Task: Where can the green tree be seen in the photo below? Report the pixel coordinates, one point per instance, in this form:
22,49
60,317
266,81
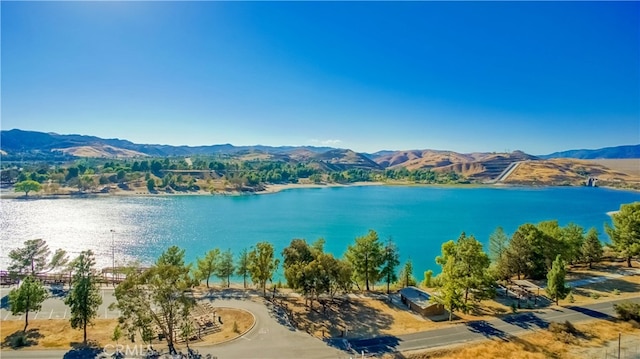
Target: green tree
365,257
451,292
428,275
31,259
225,267
390,261
27,186
625,232
498,244
467,267
84,297
406,274
151,184
262,264
556,288
207,266
592,248
242,269
28,297
157,297
572,240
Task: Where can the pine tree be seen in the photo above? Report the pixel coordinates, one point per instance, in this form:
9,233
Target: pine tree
225,267
625,232
390,260
242,269
498,243
556,288
592,248
365,256
28,297
84,297
207,266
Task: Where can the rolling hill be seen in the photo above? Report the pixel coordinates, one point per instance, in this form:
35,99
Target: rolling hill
618,152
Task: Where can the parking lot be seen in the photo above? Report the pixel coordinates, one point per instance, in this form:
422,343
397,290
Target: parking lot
54,307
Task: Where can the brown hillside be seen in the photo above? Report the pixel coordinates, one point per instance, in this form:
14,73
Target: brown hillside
104,151
565,172
418,159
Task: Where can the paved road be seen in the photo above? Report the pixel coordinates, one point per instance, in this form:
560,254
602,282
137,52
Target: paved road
495,329
274,337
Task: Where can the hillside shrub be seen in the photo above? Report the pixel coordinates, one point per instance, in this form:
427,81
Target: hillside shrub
628,311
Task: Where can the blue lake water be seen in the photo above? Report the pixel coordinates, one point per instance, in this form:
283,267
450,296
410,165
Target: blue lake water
419,219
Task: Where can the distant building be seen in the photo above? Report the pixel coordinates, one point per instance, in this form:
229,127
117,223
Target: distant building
418,301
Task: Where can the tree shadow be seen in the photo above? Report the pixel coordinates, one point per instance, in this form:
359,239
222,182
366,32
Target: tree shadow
84,351
342,317
20,339
374,346
592,313
527,321
485,328
4,302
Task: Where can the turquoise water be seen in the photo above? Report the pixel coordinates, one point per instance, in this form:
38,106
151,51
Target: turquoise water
419,219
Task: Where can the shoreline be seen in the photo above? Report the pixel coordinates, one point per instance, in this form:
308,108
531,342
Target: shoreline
270,189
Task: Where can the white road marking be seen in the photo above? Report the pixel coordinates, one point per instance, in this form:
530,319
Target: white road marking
50,314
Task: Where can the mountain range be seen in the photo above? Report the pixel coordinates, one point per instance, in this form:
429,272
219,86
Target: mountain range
25,145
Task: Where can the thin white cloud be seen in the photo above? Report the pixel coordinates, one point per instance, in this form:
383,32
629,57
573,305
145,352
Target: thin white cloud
326,142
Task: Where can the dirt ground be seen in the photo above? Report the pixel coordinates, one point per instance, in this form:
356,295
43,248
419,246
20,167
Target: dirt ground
58,334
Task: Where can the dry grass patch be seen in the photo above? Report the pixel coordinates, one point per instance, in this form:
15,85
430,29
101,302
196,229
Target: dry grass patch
539,345
58,334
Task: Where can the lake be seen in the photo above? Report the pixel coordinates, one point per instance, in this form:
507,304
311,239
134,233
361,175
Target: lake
419,219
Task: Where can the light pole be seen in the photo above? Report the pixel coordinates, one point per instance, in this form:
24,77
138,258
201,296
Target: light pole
113,257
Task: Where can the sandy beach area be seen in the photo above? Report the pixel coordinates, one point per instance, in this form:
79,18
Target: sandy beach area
8,193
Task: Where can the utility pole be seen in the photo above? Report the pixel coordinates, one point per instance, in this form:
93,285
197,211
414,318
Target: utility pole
113,257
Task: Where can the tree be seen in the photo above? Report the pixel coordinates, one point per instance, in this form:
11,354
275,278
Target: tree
151,184
625,232
466,265
206,267
242,268
28,297
390,260
27,186
366,257
556,288
31,259
428,274
450,293
157,297
262,264
84,297
498,244
592,248
406,274
572,239
225,267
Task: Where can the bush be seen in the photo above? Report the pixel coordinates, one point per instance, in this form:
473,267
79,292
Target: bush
570,298
565,332
514,308
616,291
594,295
19,341
628,311
235,327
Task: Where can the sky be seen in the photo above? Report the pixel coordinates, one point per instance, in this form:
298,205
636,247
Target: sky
463,76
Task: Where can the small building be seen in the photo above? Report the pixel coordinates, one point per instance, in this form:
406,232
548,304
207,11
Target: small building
419,301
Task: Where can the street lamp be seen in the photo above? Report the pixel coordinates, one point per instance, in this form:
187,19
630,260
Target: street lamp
113,257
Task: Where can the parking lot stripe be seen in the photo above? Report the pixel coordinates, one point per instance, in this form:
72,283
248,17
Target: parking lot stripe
50,314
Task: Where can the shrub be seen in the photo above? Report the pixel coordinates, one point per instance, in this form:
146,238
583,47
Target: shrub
514,308
19,341
570,298
235,327
594,295
628,311
616,291
565,332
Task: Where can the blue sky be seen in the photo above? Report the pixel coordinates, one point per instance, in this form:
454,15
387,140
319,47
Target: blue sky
462,76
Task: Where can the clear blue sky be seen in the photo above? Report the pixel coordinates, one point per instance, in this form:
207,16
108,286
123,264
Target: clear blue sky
481,76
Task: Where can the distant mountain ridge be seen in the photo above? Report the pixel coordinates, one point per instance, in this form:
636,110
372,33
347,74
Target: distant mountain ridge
618,152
